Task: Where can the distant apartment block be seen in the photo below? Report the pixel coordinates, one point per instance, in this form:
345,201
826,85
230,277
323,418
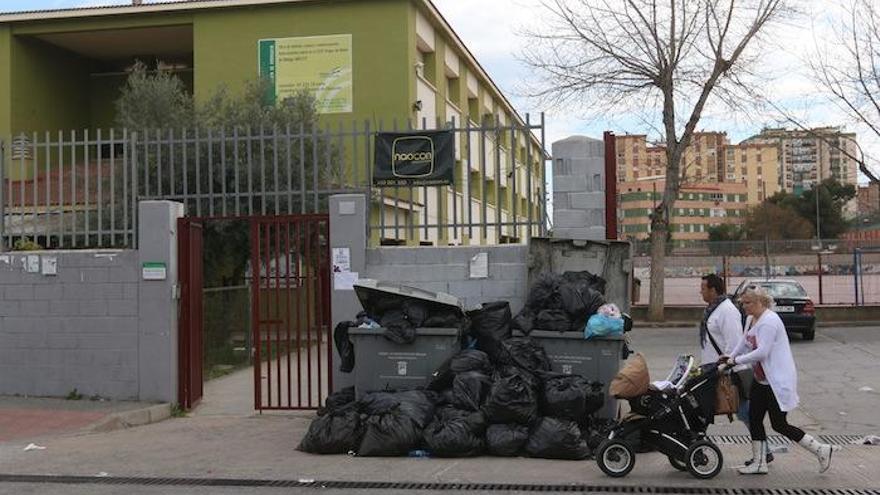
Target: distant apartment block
810,156
699,207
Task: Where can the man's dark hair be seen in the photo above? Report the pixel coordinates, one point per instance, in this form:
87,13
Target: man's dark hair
713,281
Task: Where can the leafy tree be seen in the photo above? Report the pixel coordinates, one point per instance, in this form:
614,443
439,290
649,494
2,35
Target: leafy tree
665,60
773,221
725,232
833,197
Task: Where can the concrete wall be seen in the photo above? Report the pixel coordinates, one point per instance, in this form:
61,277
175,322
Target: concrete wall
77,329
579,188
446,269
95,326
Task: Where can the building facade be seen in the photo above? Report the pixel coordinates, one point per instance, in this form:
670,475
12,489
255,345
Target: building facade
712,170
398,61
810,156
698,208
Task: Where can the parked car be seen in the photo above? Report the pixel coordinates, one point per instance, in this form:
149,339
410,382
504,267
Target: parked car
790,301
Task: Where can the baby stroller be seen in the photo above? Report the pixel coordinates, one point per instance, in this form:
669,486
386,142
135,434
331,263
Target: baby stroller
671,420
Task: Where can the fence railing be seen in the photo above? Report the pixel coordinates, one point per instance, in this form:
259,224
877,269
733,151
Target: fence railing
829,277
77,189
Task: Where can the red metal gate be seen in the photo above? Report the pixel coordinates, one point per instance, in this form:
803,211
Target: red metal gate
189,255
290,277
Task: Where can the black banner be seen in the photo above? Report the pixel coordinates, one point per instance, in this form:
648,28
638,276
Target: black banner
417,158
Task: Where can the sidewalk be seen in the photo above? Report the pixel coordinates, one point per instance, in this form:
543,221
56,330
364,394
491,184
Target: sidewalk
34,418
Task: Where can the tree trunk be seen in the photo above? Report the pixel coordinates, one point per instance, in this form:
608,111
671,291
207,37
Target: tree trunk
658,264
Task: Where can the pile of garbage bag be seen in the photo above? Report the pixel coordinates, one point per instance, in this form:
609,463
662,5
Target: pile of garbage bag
497,398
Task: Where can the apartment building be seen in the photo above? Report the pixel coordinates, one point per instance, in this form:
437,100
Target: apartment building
699,207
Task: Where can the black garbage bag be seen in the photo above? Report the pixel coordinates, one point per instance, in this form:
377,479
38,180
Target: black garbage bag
598,431
595,397
475,420
337,400
416,312
553,320
471,360
565,397
553,438
444,319
580,303
585,278
524,353
453,438
524,321
491,325
336,432
344,345
417,405
390,434
397,327
441,378
544,293
513,397
469,390
506,440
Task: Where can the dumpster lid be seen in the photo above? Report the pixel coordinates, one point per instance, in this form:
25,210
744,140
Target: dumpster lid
370,292
420,332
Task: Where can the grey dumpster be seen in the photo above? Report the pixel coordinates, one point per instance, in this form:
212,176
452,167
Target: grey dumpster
594,359
381,364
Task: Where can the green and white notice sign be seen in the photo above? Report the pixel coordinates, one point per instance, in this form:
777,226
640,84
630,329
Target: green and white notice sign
154,270
321,65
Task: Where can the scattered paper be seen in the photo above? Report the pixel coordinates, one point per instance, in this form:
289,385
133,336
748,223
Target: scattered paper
866,389
33,446
843,413
306,480
102,474
868,440
345,280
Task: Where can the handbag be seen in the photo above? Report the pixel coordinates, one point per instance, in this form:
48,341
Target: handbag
727,393
726,397
742,379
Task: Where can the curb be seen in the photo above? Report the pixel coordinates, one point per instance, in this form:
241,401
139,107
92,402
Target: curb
129,419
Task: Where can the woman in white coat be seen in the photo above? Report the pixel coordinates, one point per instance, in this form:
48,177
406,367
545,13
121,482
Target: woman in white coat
765,347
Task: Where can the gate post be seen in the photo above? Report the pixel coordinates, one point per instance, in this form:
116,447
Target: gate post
2,197
157,300
348,220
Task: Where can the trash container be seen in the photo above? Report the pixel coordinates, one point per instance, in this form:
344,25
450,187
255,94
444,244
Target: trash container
381,364
595,359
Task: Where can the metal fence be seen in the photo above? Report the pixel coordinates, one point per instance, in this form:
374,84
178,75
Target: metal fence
76,189
831,276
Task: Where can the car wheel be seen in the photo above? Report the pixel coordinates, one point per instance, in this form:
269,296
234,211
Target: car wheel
809,334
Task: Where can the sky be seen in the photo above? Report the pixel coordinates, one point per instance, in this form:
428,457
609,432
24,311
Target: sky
492,33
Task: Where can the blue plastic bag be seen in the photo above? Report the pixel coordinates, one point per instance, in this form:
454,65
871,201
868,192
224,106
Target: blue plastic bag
600,325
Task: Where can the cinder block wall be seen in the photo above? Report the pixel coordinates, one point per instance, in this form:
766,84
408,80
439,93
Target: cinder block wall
579,188
446,269
76,329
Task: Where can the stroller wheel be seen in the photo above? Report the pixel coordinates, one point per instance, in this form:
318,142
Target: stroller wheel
615,458
676,463
704,460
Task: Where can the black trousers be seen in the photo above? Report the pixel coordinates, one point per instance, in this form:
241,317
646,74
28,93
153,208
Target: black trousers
763,402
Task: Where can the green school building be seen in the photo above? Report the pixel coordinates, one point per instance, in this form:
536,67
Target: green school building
366,61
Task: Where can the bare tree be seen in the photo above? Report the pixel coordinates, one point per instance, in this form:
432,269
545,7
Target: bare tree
666,58
847,67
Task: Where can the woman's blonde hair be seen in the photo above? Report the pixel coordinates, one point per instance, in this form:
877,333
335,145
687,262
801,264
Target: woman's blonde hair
760,295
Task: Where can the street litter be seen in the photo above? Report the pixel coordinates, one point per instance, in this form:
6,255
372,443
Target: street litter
866,389
868,440
33,446
496,391
102,474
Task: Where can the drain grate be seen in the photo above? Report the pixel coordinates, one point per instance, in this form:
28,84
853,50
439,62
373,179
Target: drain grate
781,440
382,485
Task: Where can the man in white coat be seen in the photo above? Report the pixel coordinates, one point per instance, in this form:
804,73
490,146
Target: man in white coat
721,328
